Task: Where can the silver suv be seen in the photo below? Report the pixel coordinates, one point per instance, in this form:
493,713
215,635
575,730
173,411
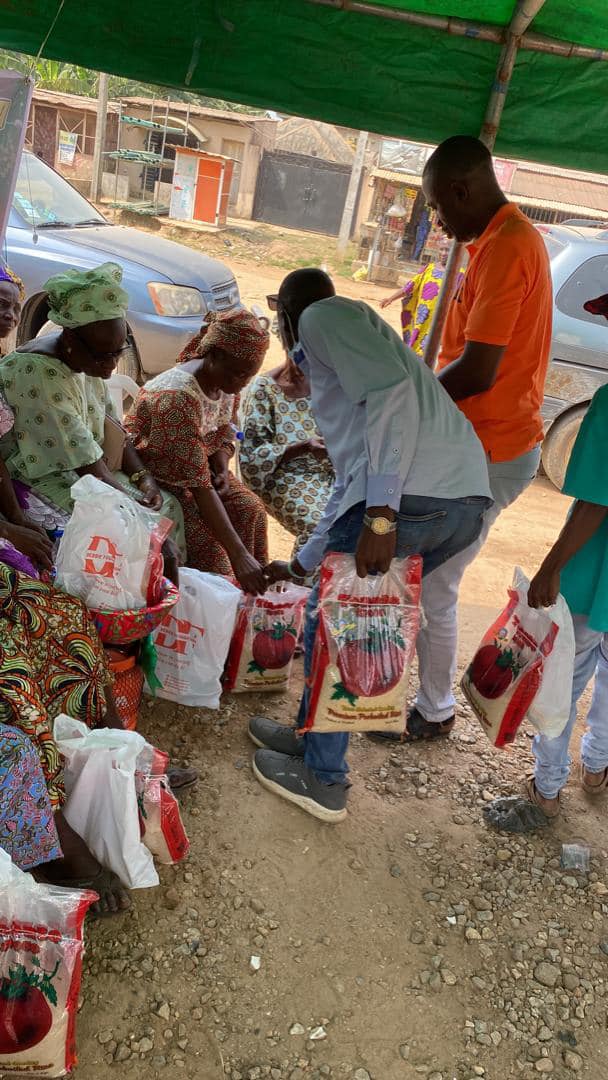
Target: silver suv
579,349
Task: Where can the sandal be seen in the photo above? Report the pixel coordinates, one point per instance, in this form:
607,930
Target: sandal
417,729
594,789
181,779
535,798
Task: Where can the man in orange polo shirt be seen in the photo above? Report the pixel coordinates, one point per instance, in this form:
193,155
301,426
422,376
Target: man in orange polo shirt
493,363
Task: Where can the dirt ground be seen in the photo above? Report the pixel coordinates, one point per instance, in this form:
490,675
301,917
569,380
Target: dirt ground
408,941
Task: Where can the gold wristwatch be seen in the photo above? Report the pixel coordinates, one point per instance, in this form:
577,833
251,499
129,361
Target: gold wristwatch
381,526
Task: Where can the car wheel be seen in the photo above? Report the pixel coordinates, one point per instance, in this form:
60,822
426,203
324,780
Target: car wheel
129,362
558,444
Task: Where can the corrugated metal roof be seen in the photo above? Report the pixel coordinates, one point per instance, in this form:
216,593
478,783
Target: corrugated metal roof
71,101
397,177
179,107
562,189
553,204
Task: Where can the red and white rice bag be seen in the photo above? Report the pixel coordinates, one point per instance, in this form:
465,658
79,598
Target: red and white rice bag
506,673
110,552
265,638
161,824
41,951
364,646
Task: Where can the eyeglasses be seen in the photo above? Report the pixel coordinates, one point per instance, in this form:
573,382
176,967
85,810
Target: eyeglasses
273,301
101,357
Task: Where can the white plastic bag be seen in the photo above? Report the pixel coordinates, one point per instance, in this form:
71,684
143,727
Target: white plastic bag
193,639
40,966
102,805
110,552
504,679
550,710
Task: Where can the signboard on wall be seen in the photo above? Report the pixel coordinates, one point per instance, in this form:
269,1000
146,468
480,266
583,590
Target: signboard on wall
505,171
66,150
15,97
403,156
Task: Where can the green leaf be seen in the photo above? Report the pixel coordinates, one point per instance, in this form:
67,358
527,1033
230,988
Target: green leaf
254,668
342,694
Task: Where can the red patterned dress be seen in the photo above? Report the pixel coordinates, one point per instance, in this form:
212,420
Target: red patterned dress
176,428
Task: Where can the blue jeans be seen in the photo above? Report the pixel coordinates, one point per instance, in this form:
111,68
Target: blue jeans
552,755
437,529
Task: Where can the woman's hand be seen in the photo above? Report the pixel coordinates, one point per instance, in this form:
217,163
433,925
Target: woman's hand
249,574
221,484
544,588
151,494
387,300
171,561
316,447
32,542
283,571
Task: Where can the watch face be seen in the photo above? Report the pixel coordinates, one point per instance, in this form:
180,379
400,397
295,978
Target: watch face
380,526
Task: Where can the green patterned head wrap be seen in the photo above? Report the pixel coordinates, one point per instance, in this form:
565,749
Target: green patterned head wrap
80,297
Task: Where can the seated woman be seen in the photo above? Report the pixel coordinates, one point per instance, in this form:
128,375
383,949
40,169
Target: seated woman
282,457
56,389
51,661
23,517
182,426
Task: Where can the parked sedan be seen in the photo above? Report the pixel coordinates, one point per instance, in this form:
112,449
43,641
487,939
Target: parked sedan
172,287
579,349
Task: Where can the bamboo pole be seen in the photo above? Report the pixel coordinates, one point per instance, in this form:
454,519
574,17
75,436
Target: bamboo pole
466,28
525,11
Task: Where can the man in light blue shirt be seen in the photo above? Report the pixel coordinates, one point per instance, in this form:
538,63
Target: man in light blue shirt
411,477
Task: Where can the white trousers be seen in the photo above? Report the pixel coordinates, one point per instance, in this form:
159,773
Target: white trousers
437,644
552,755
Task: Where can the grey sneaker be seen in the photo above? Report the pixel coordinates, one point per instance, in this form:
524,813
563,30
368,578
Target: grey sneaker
290,778
272,736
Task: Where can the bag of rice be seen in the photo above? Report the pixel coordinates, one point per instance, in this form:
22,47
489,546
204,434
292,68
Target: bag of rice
41,951
506,672
364,646
265,638
161,825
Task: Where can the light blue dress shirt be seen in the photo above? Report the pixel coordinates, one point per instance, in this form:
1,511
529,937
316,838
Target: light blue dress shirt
389,426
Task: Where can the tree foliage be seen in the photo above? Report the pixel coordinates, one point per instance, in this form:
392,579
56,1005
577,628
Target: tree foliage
71,79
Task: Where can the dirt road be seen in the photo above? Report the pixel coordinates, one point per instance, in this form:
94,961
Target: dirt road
408,942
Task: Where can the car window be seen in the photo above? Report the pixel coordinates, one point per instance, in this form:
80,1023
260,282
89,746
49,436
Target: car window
587,282
43,198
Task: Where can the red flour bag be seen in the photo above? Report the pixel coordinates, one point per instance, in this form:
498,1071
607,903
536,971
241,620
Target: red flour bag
265,638
40,967
364,646
161,825
506,672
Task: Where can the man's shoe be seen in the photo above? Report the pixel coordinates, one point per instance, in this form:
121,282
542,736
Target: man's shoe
291,779
417,730
269,735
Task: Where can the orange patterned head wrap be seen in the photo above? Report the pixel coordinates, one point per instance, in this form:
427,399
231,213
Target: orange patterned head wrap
240,334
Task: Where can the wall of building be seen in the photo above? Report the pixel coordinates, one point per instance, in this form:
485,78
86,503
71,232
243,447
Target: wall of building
218,136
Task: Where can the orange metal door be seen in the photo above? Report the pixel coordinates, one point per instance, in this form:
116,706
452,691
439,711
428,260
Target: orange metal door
207,190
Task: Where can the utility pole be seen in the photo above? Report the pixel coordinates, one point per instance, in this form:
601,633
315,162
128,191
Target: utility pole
351,195
100,137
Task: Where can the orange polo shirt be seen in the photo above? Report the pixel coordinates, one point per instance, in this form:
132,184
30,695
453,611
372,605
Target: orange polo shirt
505,299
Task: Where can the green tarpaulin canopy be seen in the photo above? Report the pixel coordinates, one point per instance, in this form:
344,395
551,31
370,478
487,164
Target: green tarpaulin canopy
347,67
